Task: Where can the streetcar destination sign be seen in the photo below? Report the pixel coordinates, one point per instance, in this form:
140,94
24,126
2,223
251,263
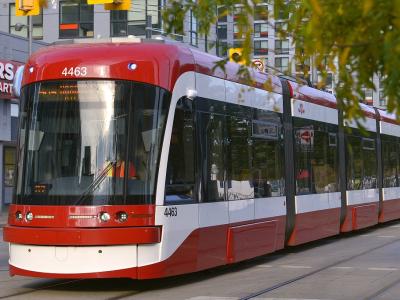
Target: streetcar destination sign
7,73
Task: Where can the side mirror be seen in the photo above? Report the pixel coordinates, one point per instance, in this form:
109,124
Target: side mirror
18,81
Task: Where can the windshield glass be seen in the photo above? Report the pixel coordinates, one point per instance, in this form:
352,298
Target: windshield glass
90,142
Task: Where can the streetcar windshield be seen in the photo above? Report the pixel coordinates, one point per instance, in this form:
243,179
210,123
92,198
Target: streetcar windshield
90,142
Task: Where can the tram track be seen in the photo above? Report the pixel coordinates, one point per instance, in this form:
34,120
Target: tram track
382,290
321,269
41,288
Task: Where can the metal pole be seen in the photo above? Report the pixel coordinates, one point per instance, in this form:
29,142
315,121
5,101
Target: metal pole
30,29
148,27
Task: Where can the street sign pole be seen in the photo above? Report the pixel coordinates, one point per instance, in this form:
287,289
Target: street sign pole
30,27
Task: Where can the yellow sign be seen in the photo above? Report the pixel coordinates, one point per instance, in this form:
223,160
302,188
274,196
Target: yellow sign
113,4
27,8
235,55
92,2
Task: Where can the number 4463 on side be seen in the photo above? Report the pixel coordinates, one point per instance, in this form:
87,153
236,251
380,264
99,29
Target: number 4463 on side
171,211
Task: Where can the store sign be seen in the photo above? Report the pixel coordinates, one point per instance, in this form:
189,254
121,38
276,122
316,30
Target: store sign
7,73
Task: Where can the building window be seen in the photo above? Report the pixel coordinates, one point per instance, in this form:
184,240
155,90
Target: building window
236,32
282,63
280,27
37,24
382,98
76,20
193,30
124,23
261,47
222,32
304,67
282,15
222,14
367,97
238,44
222,48
260,30
9,166
281,47
14,121
261,12
238,10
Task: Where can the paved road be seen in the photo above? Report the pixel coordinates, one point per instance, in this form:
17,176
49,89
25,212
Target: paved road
354,266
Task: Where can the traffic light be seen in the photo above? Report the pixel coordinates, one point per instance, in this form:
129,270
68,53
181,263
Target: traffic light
27,8
118,5
236,55
113,4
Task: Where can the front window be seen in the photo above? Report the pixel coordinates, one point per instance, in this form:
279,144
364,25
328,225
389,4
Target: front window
90,142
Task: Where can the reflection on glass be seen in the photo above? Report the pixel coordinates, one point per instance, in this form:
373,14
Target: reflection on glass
75,148
316,154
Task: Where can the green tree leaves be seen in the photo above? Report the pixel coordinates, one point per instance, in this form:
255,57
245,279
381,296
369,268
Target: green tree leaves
356,39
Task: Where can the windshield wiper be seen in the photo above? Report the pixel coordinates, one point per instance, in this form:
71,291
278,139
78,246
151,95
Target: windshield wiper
97,181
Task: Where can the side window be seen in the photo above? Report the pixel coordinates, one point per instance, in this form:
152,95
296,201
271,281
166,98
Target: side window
239,177
354,163
389,159
315,157
361,161
212,155
180,180
370,166
268,155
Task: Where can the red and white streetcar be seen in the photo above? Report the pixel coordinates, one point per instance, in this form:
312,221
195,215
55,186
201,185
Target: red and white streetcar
142,160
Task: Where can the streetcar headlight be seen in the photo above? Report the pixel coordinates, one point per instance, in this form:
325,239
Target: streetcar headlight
18,215
104,216
29,216
122,216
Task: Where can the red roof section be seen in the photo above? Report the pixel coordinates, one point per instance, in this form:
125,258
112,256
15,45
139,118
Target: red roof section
156,63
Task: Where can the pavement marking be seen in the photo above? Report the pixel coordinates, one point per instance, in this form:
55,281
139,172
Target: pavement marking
295,267
395,226
343,268
365,235
264,266
386,236
383,269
